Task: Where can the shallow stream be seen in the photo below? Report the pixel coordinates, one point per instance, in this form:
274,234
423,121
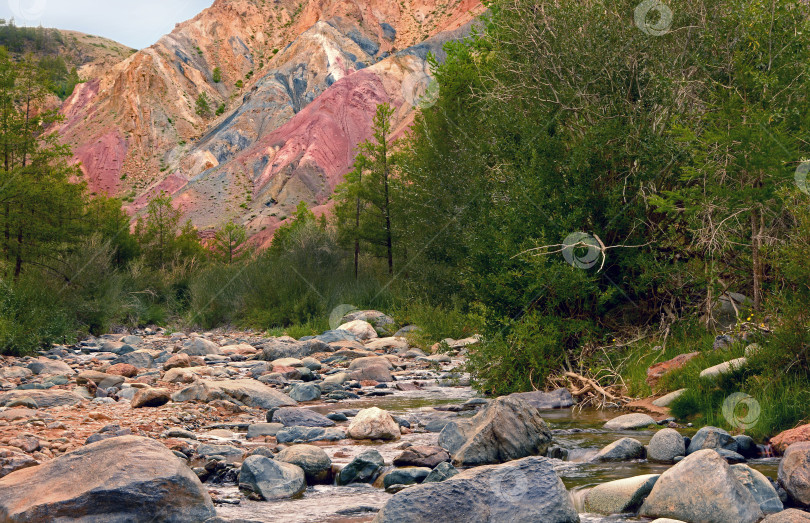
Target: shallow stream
578,431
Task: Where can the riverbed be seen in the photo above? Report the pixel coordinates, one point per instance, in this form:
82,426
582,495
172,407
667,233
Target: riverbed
578,431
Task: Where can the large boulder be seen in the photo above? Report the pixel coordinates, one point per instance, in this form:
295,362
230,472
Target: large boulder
506,429
790,515
141,359
442,472
702,488
665,446
624,449
315,463
760,487
296,417
711,438
522,490
382,323
305,392
657,371
150,397
783,440
43,366
361,329
557,399
44,399
362,469
421,456
620,496
407,476
246,391
630,422
794,473
128,478
373,423
201,347
290,348
374,368
267,479
309,434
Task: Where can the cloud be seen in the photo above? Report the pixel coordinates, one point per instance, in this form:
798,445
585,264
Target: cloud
137,24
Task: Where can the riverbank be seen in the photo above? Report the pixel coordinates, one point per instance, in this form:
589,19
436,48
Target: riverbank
316,409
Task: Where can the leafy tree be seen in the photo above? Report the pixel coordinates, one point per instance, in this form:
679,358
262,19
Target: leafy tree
161,237
217,75
365,201
203,105
40,207
229,241
105,216
301,219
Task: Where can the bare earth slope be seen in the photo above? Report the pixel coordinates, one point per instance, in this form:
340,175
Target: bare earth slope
299,84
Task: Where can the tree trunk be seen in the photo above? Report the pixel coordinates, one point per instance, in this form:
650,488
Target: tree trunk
19,263
357,228
756,254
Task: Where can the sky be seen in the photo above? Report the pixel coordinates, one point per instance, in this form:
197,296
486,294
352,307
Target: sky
136,23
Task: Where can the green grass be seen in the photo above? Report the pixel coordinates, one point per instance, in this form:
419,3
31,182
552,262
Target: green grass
632,362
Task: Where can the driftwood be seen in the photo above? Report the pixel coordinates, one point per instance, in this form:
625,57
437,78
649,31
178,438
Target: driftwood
589,392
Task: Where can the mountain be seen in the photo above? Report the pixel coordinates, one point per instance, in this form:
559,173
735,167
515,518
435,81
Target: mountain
292,87
66,56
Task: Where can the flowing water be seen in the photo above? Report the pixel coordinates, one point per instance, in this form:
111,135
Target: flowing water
580,432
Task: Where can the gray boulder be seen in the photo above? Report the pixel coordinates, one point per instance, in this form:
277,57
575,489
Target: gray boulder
630,422
260,430
711,438
759,487
140,358
315,463
794,473
309,434
522,490
621,496
244,391
42,399
305,392
443,471
665,446
505,429
363,469
624,449
557,399
201,347
296,417
407,476
703,488
128,478
267,479
43,366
